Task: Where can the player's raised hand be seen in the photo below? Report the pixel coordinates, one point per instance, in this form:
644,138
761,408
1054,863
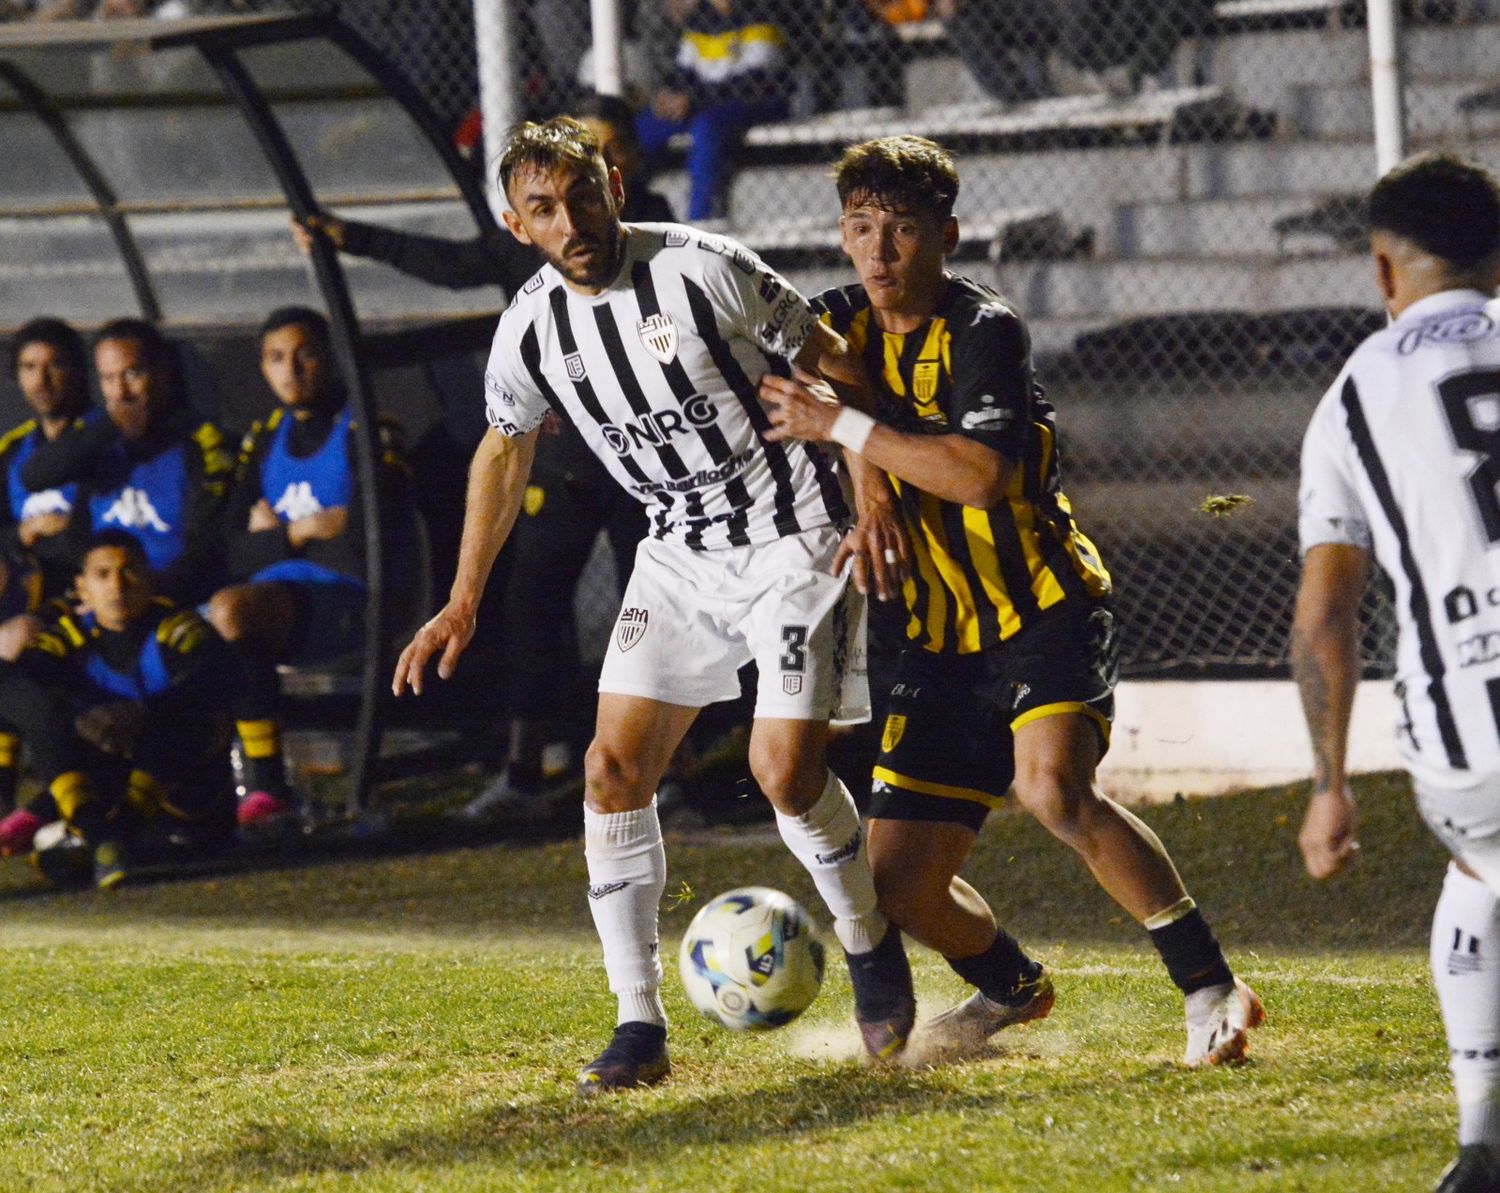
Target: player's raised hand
878,552
801,406
450,631
1327,840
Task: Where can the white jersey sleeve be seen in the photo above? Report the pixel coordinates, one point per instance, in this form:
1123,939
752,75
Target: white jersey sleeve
754,301
1329,509
513,402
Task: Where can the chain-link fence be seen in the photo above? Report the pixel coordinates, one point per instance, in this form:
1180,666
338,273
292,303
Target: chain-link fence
1168,190
1170,193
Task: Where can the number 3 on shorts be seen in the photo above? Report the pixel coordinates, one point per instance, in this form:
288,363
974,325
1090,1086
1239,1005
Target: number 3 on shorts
794,657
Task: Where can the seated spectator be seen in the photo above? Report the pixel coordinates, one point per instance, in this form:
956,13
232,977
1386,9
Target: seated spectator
36,558
847,55
51,371
147,465
1003,43
731,74
123,706
295,546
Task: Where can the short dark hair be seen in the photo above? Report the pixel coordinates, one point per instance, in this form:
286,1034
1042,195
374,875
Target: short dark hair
899,173
612,109
153,344
542,148
54,333
112,537
315,323
1444,205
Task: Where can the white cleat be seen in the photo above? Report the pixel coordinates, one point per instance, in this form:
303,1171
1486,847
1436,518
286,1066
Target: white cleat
1220,1020
964,1028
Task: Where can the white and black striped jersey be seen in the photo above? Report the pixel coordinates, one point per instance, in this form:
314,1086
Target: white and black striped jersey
1402,458
659,373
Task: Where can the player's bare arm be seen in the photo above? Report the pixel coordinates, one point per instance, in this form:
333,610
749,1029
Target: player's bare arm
1326,667
876,547
497,486
951,467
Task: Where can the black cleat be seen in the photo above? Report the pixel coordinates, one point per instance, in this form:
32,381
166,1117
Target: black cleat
885,1006
636,1056
1477,1170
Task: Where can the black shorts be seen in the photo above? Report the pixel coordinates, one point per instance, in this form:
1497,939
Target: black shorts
947,750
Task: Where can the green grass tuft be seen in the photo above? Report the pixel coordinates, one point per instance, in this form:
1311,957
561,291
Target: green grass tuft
416,1023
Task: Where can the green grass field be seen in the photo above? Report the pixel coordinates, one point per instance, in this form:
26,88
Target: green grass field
416,1023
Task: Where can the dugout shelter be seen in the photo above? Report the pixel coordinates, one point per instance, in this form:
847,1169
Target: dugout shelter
150,169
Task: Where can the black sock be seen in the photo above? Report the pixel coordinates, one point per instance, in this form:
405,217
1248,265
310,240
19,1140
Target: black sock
10,757
881,978
1000,972
1191,954
265,774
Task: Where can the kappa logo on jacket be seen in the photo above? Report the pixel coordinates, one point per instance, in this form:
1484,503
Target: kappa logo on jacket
133,509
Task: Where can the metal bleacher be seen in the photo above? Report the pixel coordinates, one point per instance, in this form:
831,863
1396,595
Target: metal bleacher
1280,127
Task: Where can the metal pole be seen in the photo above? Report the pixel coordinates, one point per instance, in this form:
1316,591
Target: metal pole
498,86
609,47
1386,94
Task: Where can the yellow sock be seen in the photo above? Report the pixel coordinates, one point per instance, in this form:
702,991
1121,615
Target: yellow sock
260,739
70,791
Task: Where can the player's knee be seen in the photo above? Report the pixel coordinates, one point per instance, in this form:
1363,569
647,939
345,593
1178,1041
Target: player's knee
615,781
786,777
228,613
1059,798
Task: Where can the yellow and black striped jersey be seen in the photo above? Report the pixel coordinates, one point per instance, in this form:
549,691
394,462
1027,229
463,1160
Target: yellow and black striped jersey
979,574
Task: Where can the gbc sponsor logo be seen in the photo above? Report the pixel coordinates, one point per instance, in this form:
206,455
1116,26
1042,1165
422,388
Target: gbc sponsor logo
656,428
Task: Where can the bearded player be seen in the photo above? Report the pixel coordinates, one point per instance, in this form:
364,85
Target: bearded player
650,339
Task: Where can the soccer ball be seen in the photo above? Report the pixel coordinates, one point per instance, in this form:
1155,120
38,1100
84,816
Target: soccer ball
750,960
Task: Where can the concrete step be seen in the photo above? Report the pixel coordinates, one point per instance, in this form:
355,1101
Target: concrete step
1200,227
1086,186
1432,110
1263,68
1127,289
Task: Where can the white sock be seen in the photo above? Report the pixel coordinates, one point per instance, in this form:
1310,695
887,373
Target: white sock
627,874
1466,971
829,841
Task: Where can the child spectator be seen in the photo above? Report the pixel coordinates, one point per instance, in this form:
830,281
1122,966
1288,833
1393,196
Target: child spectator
123,707
148,465
731,74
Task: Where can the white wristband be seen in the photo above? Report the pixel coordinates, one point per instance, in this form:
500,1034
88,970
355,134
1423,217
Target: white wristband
851,429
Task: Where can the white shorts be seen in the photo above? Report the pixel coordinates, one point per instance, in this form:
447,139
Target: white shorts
1467,821
691,619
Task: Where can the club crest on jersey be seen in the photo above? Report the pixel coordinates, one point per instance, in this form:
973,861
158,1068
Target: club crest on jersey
924,381
574,364
895,727
791,684
632,627
659,334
